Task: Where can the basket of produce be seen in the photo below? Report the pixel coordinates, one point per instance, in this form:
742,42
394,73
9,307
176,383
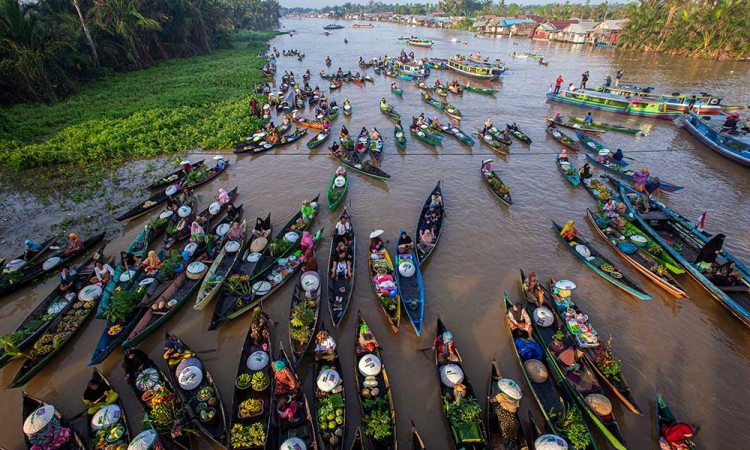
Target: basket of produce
243,381
260,381
250,408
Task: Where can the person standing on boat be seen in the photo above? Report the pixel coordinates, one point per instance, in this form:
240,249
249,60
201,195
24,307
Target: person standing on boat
558,83
584,79
588,120
652,187
618,77
608,81
640,178
506,404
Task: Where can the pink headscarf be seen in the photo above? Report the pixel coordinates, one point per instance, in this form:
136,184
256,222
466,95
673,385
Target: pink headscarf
195,229
223,196
306,242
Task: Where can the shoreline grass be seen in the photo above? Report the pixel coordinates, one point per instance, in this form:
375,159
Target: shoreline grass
179,104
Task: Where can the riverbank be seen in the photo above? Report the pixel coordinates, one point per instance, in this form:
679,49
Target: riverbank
203,101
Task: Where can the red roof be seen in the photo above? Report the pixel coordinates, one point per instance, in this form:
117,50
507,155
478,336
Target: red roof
560,24
535,18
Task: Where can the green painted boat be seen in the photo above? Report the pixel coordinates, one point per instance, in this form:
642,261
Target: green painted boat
318,139
347,108
568,170
388,110
495,184
517,133
607,126
479,90
595,261
665,417
365,168
492,142
398,134
452,111
432,101
397,91
424,136
337,192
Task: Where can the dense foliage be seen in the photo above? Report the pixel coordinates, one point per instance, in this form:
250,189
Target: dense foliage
702,28
47,47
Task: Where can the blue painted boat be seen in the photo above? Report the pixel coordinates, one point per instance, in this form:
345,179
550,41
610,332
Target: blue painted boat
684,245
595,146
627,174
411,288
709,133
597,262
568,170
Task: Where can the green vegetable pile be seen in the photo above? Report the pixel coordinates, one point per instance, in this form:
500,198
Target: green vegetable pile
247,436
466,411
303,316
570,423
122,306
607,362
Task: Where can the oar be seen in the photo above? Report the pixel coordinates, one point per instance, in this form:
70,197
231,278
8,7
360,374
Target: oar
77,416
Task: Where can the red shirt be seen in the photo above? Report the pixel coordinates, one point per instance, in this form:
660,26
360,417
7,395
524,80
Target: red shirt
559,81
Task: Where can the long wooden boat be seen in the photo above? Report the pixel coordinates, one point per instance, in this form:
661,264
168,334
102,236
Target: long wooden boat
391,306
568,170
336,193
597,147
31,404
640,259
306,296
518,134
375,146
635,106
703,103
495,437
303,429
40,318
595,261
347,108
33,272
214,428
595,351
340,290
501,136
423,136
329,399
265,146
710,134
319,139
496,185
176,433
179,292
470,69
452,112
258,139
420,42
423,256
606,126
367,356
411,288
264,289
363,144
469,434
563,139
160,197
390,112
173,177
552,398
58,334
580,383
575,126
479,90
400,137
182,229
456,132
432,101
20,264
96,431
357,443
252,408
665,417
627,174
684,244
495,145
397,91
217,273
416,440
365,168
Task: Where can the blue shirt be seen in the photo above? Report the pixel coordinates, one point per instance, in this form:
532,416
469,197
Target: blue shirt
589,119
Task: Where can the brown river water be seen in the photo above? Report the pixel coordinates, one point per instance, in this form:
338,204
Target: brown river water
692,349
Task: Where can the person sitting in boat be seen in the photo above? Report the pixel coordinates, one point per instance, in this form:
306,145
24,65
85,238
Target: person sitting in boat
103,272
676,437
519,322
306,242
135,362
324,344
232,212
326,125
393,86
310,263
284,381
307,210
152,263
585,172
569,231
335,148
506,403
31,249
127,260
333,104
366,342
97,395
185,168
344,134
567,357
533,289
610,209
617,156
223,196
731,123
384,104
446,348
571,87
487,166
340,171
435,122
376,244
261,229
727,275
74,246
514,127
341,267
343,229
359,147
374,135
436,202
426,96
710,251
425,240
236,233
563,156
420,120
405,246
68,280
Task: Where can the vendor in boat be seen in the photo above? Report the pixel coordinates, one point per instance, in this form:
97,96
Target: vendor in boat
326,126
640,179
344,134
563,156
405,246
333,104
341,267
709,252
31,249
127,260
185,168
376,244
236,233
617,156
519,322
727,275
68,280
343,229
259,332
310,263
175,352
420,120
335,148
514,127
359,147
435,122
569,231
272,137
446,349
426,240
394,86
103,272
188,198
283,379
558,118
223,196
585,172
306,242
676,437
366,342
533,289
135,362
374,135
232,212
384,104
307,210
197,233
651,188
221,163
152,263
506,403
610,209
324,343
97,394
75,245
287,408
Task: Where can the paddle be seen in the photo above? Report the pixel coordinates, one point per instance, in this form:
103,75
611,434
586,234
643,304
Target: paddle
77,416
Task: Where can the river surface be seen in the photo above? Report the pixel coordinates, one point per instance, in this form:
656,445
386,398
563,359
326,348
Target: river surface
692,349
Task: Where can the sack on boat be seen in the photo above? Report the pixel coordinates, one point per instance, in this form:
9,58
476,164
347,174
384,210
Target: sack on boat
51,263
328,380
407,269
529,349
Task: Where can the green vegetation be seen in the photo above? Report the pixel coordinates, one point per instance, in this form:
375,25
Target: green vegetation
202,101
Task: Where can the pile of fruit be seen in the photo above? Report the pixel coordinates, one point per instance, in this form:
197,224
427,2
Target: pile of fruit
110,438
68,323
260,381
247,436
206,400
243,381
249,408
331,417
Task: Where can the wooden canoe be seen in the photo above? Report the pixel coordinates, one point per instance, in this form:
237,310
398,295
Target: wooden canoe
122,420
31,404
498,188
423,255
495,437
301,346
391,306
411,289
568,170
340,290
333,401
303,429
